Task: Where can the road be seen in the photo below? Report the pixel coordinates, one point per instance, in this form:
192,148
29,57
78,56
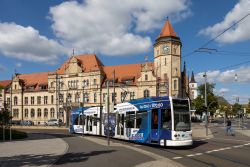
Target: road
221,150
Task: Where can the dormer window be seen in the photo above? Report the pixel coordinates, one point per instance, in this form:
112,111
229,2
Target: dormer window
146,77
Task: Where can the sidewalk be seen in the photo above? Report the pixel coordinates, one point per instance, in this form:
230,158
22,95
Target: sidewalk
37,150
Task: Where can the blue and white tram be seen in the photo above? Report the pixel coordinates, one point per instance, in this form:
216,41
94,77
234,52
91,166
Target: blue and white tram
155,120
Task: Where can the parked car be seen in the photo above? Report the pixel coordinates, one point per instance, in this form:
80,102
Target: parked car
53,122
15,122
27,123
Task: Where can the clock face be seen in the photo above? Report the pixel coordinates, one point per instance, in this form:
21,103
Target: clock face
165,49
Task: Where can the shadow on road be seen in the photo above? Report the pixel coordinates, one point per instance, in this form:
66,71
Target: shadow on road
46,159
79,157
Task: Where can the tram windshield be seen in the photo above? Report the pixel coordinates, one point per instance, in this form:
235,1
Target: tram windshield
182,120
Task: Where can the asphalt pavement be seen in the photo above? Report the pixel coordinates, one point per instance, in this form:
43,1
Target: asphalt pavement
63,149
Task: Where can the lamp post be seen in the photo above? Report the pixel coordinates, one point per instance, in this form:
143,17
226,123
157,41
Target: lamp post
108,112
206,121
84,84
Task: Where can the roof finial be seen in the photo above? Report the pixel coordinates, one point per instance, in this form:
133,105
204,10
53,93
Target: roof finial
73,52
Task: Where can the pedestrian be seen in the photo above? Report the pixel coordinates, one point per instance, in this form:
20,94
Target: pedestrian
228,127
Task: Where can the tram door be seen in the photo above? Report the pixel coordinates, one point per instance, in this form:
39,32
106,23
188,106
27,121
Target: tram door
154,126
120,124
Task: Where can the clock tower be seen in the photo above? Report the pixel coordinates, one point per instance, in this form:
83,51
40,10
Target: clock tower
167,61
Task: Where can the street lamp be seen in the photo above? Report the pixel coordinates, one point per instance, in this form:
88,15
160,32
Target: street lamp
206,121
84,84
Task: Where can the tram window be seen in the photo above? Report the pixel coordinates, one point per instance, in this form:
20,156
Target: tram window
95,119
141,119
80,120
166,122
130,120
87,127
154,121
76,121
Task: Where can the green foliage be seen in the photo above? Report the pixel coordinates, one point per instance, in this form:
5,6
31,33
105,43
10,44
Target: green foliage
248,108
212,101
4,118
236,108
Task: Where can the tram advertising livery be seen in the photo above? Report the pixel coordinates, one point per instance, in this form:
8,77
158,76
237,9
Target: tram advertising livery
163,121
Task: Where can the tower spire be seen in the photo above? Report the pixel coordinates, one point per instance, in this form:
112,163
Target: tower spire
167,30
192,78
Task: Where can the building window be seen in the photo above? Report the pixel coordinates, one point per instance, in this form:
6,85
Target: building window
104,97
45,113
132,95
94,83
95,97
15,100
114,97
165,62
45,99
175,84
15,113
123,96
38,99
86,97
52,112
8,101
61,114
60,98
26,100
15,86
52,99
32,113
32,100
69,98
77,98
146,77
146,93
26,113
39,112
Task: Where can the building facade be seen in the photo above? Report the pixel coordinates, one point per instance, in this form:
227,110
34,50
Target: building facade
82,81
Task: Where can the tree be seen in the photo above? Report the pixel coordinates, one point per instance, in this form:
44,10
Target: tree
248,107
236,107
212,101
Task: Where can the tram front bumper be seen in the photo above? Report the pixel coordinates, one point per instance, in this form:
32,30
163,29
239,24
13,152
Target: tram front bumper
176,142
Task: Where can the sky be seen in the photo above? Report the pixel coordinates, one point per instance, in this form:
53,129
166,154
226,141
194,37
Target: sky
38,36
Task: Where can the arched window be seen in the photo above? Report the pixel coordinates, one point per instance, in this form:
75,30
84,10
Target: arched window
26,113
146,77
15,100
15,86
69,98
61,114
77,98
86,97
52,112
95,97
15,113
32,113
146,93
39,112
52,99
45,113
175,84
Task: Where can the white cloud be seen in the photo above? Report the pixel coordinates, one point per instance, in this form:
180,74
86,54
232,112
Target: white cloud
224,90
112,27
18,64
26,43
236,34
240,75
